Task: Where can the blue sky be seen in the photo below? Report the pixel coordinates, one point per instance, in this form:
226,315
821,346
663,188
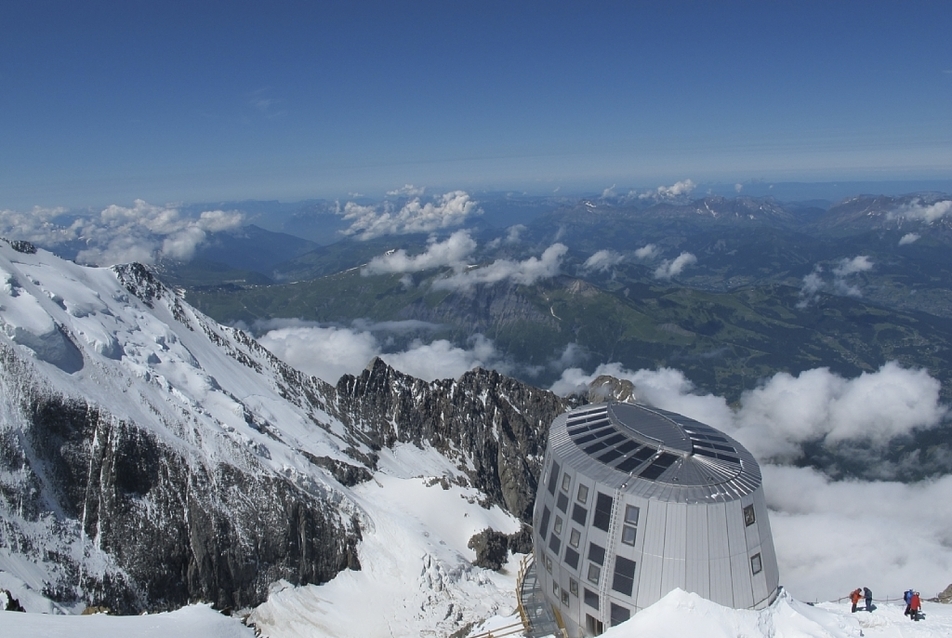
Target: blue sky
104,102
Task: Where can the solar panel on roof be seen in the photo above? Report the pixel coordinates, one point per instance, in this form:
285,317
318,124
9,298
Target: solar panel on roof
658,466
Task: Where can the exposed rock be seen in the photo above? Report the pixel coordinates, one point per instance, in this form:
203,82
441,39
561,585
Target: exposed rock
492,549
608,388
492,426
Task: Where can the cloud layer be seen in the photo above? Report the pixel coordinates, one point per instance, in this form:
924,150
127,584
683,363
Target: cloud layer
415,216
523,273
329,352
119,234
923,212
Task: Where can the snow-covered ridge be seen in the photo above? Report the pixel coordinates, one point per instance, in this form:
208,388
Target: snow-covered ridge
150,457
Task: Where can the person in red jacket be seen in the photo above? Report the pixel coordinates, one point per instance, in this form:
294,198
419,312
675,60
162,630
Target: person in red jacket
855,597
915,604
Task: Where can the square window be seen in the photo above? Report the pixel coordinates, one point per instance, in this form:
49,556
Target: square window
555,588
573,586
566,482
562,502
749,518
565,597
619,614
628,534
548,564
571,558
574,537
558,524
579,514
555,544
591,599
596,553
594,573
624,578
631,515
756,564
582,495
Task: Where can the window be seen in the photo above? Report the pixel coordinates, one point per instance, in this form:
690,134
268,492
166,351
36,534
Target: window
619,614
555,588
624,578
591,598
628,534
749,518
756,564
603,512
554,477
548,564
573,586
574,538
579,514
631,515
558,524
565,597
562,502
596,553
582,496
555,544
545,522
566,482
594,573
571,558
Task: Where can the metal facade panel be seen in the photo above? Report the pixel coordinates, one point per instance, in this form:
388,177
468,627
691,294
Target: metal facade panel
697,568
741,577
648,580
654,527
675,537
722,591
717,546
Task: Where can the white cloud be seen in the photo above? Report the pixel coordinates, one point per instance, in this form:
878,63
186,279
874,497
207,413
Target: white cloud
738,188
324,352
120,234
673,267
814,284
450,209
831,535
407,190
684,187
442,360
784,413
909,238
451,252
927,213
329,352
648,252
603,260
523,273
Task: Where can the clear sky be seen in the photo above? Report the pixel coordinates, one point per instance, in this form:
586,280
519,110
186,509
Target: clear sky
104,102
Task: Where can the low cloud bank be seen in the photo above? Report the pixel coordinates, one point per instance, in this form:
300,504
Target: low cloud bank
523,273
786,412
329,352
452,252
415,216
120,234
928,213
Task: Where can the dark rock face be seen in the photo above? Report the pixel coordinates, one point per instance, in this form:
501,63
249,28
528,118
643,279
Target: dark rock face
494,427
178,529
492,549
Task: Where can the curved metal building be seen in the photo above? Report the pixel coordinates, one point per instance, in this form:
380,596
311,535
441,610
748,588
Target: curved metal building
635,502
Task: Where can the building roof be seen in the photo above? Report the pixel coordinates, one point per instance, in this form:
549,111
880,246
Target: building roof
654,452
